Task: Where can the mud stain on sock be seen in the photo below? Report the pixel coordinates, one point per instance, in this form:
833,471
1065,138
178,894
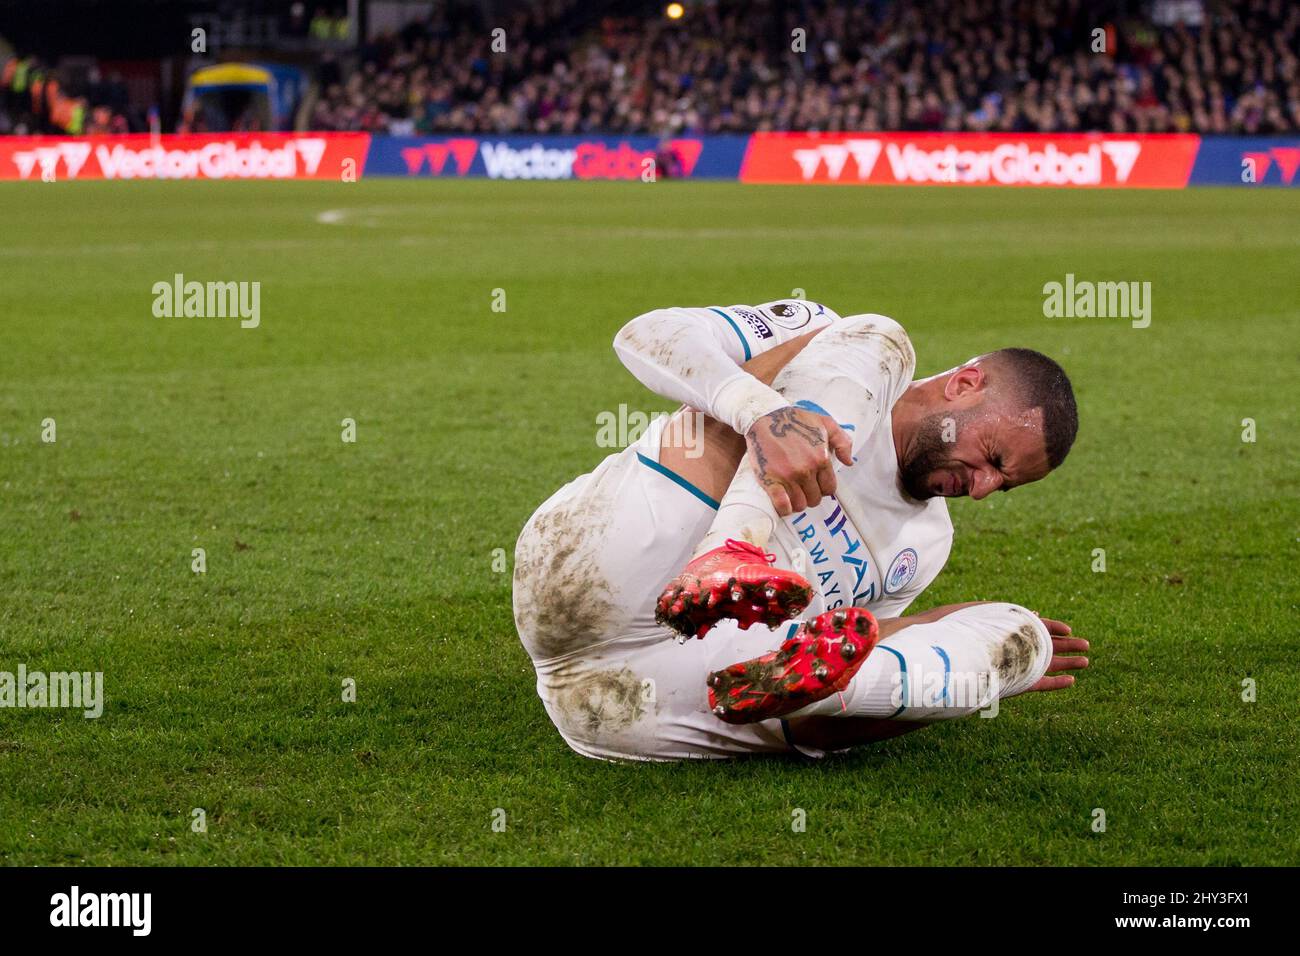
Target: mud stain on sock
1016,655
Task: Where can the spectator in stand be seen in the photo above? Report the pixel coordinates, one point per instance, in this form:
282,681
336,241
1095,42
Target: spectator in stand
35,99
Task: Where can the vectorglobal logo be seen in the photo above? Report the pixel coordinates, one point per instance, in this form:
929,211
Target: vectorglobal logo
68,690
1012,164
598,161
219,160
184,156
972,159
74,908
49,162
535,162
592,159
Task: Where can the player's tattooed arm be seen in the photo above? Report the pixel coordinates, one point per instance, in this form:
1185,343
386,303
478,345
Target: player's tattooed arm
790,450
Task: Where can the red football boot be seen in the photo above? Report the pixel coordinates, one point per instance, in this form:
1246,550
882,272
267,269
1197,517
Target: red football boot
818,660
736,581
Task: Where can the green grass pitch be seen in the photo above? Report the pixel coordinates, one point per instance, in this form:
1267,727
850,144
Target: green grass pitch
374,560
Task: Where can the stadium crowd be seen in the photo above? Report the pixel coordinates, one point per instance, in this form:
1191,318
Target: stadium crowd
736,66
1218,66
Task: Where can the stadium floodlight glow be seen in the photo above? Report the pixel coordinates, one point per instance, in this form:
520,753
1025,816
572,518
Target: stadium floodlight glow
674,11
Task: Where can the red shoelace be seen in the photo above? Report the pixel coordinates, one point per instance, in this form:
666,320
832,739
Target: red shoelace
744,547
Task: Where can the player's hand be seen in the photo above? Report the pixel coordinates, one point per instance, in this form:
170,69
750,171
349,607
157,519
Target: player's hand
790,450
1063,644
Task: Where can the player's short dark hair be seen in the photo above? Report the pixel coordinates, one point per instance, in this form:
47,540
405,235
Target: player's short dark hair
1039,382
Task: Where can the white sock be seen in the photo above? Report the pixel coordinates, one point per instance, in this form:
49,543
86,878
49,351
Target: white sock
952,667
746,514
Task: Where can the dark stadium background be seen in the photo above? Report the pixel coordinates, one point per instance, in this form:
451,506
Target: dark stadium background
1208,66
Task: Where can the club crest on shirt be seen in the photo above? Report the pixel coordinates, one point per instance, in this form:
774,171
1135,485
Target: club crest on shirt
789,315
901,571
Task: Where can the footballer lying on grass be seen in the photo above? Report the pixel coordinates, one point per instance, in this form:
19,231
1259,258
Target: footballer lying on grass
849,464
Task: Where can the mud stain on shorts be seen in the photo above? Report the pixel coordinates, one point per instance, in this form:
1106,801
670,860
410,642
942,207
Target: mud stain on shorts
601,702
1016,655
562,601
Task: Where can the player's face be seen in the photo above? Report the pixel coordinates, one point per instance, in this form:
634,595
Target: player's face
975,451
